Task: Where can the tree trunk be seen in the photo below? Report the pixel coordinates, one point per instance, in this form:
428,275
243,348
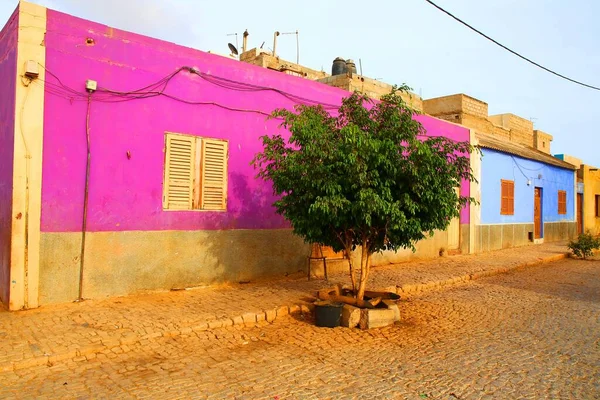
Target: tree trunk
368,266
352,274
365,258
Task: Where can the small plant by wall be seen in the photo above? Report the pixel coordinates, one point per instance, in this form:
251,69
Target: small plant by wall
584,245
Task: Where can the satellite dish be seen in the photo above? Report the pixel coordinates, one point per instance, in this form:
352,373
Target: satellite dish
233,49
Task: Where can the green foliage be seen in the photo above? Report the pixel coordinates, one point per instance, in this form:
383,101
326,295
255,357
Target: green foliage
585,245
369,176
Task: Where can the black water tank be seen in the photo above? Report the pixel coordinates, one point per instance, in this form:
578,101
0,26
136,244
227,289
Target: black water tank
351,67
338,67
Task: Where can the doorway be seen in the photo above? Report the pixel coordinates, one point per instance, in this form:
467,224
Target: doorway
579,213
537,213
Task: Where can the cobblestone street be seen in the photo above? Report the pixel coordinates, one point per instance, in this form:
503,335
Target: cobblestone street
533,333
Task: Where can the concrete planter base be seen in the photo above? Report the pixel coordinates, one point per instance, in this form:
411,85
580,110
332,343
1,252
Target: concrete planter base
386,314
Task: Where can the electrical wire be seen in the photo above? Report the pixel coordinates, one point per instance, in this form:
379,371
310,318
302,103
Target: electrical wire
525,168
85,196
243,86
518,166
159,87
510,50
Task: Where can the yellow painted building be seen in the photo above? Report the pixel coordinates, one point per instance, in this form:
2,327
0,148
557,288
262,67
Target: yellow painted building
590,177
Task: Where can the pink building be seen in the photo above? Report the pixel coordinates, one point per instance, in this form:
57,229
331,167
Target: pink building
172,200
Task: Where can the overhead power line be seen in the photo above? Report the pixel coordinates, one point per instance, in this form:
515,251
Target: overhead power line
510,50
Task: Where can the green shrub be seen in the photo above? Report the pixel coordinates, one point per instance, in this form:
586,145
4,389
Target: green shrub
585,245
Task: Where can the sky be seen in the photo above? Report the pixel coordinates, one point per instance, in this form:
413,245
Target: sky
405,41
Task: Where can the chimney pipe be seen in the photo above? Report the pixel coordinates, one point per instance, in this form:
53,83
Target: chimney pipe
245,41
275,43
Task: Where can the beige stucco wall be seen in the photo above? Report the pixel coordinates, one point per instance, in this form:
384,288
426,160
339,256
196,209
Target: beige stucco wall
425,249
120,263
27,164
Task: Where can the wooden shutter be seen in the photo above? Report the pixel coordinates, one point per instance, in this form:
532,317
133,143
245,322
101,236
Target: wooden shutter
179,172
511,197
562,202
507,197
214,174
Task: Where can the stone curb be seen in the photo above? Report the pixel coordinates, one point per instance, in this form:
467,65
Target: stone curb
432,285
248,319
111,344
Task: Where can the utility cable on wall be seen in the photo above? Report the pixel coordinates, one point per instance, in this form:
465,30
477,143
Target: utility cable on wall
85,196
510,50
159,87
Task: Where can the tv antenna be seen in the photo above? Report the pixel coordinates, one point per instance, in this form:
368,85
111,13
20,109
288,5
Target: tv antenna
297,44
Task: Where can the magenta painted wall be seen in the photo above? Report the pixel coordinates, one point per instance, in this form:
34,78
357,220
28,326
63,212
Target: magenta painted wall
438,127
8,74
126,194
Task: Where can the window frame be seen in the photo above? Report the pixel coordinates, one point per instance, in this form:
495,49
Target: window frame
507,198
199,186
597,204
562,202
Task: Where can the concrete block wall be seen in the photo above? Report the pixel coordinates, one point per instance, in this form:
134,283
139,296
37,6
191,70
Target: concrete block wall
442,107
473,113
474,107
266,60
339,81
512,122
541,141
371,87
483,125
521,129
500,132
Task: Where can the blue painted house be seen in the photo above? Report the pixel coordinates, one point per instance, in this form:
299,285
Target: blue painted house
526,196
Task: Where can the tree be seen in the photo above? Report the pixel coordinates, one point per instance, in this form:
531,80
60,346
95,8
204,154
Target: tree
369,177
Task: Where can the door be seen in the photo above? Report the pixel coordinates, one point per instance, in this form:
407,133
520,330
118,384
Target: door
537,213
579,213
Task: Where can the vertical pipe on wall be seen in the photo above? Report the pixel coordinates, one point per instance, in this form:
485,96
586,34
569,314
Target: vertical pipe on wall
85,197
245,41
26,82
275,43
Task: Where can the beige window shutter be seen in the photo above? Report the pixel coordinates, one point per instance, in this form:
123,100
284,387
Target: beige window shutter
214,174
179,172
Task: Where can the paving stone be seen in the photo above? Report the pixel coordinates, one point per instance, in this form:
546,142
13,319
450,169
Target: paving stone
249,318
283,311
531,333
270,315
58,330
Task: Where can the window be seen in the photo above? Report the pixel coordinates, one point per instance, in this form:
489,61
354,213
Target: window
598,205
507,201
195,173
562,202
